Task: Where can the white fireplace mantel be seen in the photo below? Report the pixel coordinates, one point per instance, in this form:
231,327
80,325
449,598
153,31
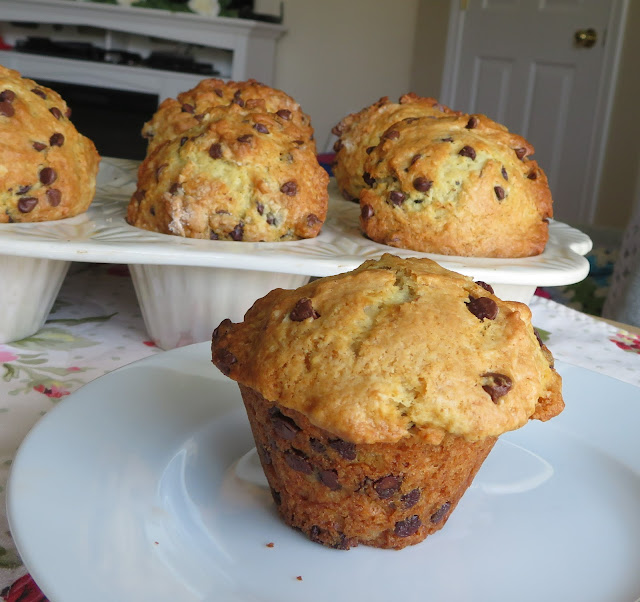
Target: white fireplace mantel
252,44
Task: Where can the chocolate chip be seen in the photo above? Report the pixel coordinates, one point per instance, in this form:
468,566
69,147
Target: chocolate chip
440,513
27,204
408,526
152,211
367,211
67,113
284,114
260,127
298,461
39,92
397,197
271,219
499,192
54,196
503,171
7,95
213,235
520,152
485,286
472,123
219,92
276,496
237,100
422,184
447,139
215,151
48,176
483,307
283,426
23,189
532,175
343,543
289,188
300,142
56,112
415,158
344,448
224,360
264,454
370,149
410,499
187,108
39,146
313,220
183,140
386,486
238,232
6,109
314,533
317,445
391,134
303,310
174,188
246,139
138,195
497,385
260,208
468,151
368,180
159,170
56,139
330,479
337,146
336,130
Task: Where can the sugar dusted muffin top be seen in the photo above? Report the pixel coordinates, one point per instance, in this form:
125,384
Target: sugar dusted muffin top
47,169
395,345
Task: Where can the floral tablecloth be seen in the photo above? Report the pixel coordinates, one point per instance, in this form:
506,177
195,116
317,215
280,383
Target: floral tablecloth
95,326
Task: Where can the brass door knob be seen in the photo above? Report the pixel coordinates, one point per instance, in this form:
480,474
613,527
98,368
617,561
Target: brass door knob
585,38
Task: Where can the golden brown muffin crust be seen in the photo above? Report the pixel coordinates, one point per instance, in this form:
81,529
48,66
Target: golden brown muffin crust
458,185
395,345
47,169
238,175
360,132
175,116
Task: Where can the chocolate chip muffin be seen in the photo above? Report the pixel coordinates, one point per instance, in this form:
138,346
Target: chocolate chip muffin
240,175
360,132
47,169
458,185
374,396
175,116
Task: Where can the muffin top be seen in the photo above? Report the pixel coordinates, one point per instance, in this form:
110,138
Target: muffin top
393,348
360,132
457,185
239,175
175,116
47,169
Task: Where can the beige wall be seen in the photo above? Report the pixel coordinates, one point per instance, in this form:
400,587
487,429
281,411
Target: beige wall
339,56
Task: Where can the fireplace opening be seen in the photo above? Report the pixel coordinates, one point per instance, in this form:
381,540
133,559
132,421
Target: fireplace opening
111,118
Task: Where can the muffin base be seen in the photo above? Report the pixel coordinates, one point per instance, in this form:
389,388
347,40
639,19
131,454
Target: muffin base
339,494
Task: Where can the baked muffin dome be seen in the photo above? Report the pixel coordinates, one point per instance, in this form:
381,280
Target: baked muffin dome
175,116
360,132
47,169
238,175
375,396
394,346
457,185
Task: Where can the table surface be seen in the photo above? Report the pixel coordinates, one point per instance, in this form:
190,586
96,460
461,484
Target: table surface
95,327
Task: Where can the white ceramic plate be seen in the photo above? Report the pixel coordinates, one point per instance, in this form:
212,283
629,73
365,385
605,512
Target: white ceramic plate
130,491
102,235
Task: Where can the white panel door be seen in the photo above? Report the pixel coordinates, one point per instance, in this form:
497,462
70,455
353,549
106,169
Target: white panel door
518,62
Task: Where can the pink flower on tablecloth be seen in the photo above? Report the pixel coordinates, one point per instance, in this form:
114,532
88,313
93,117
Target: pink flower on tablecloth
24,590
7,356
53,391
149,343
540,292
627,341
74,369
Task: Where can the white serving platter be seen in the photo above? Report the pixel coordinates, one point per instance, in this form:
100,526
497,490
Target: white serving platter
133,489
